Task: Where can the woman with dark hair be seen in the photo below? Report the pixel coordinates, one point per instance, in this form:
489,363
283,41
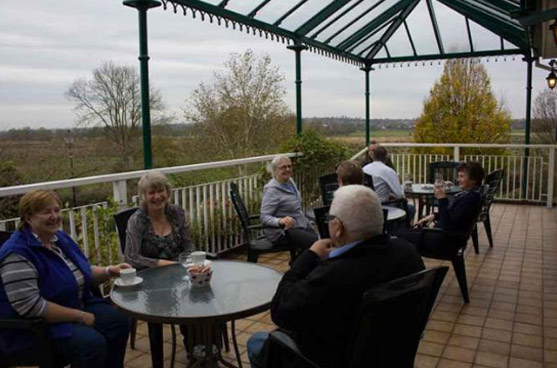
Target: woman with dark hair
45,275
455,216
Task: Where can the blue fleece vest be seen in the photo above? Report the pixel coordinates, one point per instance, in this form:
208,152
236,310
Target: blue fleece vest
56,283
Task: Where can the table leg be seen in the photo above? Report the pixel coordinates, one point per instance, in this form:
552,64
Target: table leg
236,350
156,343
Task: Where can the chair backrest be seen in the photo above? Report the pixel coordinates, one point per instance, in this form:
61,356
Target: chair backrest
392,318
328,184
240,208
322,221
445,168
488,192
4,236
121,219
494,178
368,181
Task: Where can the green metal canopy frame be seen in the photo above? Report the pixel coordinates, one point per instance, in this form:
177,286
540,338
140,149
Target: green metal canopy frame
362,32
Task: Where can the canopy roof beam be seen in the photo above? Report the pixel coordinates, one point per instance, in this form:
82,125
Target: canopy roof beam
288,13
392,29
253,13
451,55
433,18
320,17
354,21
344,12
508,31
376,22
368,37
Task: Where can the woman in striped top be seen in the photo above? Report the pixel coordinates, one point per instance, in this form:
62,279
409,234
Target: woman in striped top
44,274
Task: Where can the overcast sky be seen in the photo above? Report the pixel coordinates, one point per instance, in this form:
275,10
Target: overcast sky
45,45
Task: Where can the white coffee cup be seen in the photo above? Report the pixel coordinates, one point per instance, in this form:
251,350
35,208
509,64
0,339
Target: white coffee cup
198,257
128,275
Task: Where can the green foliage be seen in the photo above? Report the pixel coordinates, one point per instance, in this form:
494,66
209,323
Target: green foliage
9,175
461,108
544,112
108,243
320,156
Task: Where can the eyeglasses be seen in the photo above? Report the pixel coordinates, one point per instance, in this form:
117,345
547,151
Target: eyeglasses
284,167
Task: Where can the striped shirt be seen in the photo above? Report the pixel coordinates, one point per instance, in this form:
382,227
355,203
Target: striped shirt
20,280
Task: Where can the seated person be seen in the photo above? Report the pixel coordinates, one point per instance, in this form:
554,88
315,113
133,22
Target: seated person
157,232
281,209
385,180
373,144
45,275
318,298
456,216
349,172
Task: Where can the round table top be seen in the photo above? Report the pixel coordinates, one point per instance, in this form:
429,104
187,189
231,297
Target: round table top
237,289
428,189
394,213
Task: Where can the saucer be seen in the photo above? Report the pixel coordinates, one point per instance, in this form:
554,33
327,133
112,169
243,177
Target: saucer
136,281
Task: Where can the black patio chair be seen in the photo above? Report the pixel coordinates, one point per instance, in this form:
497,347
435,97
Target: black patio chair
258,245
4,236
388,328
328,184
322,221
368,181
489,190
121,219
445,168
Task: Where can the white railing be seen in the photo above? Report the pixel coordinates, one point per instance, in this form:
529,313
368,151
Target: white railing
211,214
536,186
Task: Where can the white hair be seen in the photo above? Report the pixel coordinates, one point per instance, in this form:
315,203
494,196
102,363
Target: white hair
275,162
359,209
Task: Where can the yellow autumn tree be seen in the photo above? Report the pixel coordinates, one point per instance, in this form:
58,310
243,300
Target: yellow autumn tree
461,108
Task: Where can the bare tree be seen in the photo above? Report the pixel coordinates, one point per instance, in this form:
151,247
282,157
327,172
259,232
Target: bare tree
111,98
544,111
242,111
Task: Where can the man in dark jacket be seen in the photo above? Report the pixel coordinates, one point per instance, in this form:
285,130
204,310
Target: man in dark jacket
317,299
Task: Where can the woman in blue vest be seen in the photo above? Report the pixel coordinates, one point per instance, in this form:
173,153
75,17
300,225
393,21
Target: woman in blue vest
44,274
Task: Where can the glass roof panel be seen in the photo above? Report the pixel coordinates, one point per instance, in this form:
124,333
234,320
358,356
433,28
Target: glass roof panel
399,44
303,13
354,14
381,54
419,24
365,46
484,39
452,27
242,6
341,18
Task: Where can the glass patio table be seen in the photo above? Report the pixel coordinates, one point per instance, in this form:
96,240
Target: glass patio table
425,195
237,290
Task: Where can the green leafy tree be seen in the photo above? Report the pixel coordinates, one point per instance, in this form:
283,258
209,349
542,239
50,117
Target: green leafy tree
112,99
9,176
461,108
242,111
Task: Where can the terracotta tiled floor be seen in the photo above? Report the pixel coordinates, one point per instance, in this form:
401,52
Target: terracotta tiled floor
511,320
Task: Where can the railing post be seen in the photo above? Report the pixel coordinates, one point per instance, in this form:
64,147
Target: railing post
551,177
120,191
456,153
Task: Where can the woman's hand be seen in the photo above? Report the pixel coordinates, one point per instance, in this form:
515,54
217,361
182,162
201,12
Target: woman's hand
114,270
86,319
425,220
288,222
439,192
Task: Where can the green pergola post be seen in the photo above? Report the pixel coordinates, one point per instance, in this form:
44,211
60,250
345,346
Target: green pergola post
366,69
529,60
298,48
142,6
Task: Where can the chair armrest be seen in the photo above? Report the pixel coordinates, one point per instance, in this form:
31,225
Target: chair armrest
22,323
285,341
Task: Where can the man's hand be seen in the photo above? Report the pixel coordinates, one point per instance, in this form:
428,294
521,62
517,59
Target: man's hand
288,222
322,248
439,192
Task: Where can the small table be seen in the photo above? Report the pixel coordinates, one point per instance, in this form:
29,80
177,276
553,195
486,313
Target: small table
394,213
425,195
237,290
